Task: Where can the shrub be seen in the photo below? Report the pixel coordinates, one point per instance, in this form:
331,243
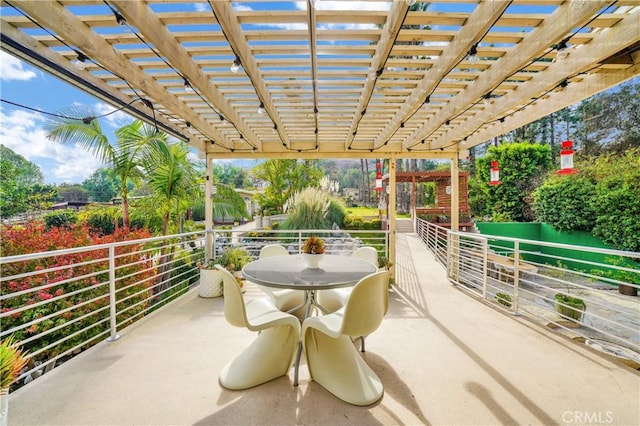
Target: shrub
335,213
78,296
101,220
522,166
564,202
60,218
570,307
617,201
503,299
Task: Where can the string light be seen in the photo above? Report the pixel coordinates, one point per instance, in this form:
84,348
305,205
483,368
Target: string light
261,110
472,55
187,86
235,67
80,61
562,50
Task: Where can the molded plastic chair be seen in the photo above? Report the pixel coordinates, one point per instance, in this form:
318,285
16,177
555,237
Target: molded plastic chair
271,354
284,299
335,298
333,361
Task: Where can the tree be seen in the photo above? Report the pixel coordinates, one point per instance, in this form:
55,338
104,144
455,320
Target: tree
124,156
22,185
171,175
285,177
102,185
72,193
522,167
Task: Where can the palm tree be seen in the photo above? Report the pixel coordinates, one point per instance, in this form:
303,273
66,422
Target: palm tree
172,177
124,156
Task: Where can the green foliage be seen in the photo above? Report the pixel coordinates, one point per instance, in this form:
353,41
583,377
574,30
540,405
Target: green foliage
102,185
564,202
478,194
522,167
60,218
233,258
335,213
617,200
285,178
21,185
569,307
358,223
101,220
503,299
72,193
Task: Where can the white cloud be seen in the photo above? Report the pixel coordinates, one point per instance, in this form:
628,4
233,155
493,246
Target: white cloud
201,7
241,8
12,68
351,5
23,133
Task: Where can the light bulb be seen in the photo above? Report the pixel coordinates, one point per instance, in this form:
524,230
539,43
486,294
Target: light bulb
235,67
79,62
261,109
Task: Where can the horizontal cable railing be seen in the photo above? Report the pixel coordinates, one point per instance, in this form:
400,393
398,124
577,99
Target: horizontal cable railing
587,291
56,304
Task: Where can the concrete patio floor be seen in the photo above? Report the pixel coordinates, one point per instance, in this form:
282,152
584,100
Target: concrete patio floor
444,357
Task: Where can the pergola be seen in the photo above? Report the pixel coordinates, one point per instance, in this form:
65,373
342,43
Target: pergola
321,79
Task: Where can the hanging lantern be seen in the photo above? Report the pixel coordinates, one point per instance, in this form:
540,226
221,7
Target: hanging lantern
566,159
494,174
378,176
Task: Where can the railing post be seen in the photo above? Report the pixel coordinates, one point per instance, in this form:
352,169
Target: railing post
485,267
299,242
112,295
516,275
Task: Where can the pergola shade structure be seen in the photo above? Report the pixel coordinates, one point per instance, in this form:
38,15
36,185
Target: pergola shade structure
369,79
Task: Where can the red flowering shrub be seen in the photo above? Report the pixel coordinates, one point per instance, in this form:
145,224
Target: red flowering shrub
68,302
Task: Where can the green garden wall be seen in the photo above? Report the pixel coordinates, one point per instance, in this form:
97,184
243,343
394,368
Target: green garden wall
546,233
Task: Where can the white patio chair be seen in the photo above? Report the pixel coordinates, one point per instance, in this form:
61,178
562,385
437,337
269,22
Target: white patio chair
333,361
284,299
271,354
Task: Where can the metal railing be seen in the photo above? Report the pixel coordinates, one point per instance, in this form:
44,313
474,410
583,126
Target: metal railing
587,291
56,304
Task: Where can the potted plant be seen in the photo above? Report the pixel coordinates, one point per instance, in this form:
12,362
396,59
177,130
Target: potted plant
12,361
312,251
570,308
232,259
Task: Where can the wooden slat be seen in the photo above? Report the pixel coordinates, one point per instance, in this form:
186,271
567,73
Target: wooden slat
572,14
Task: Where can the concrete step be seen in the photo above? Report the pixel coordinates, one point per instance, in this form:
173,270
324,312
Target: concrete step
404,226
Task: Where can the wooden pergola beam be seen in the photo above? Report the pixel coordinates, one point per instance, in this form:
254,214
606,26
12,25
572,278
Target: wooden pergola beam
52,14
391,29
603,46
480,21
139,15
230,25
571,14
